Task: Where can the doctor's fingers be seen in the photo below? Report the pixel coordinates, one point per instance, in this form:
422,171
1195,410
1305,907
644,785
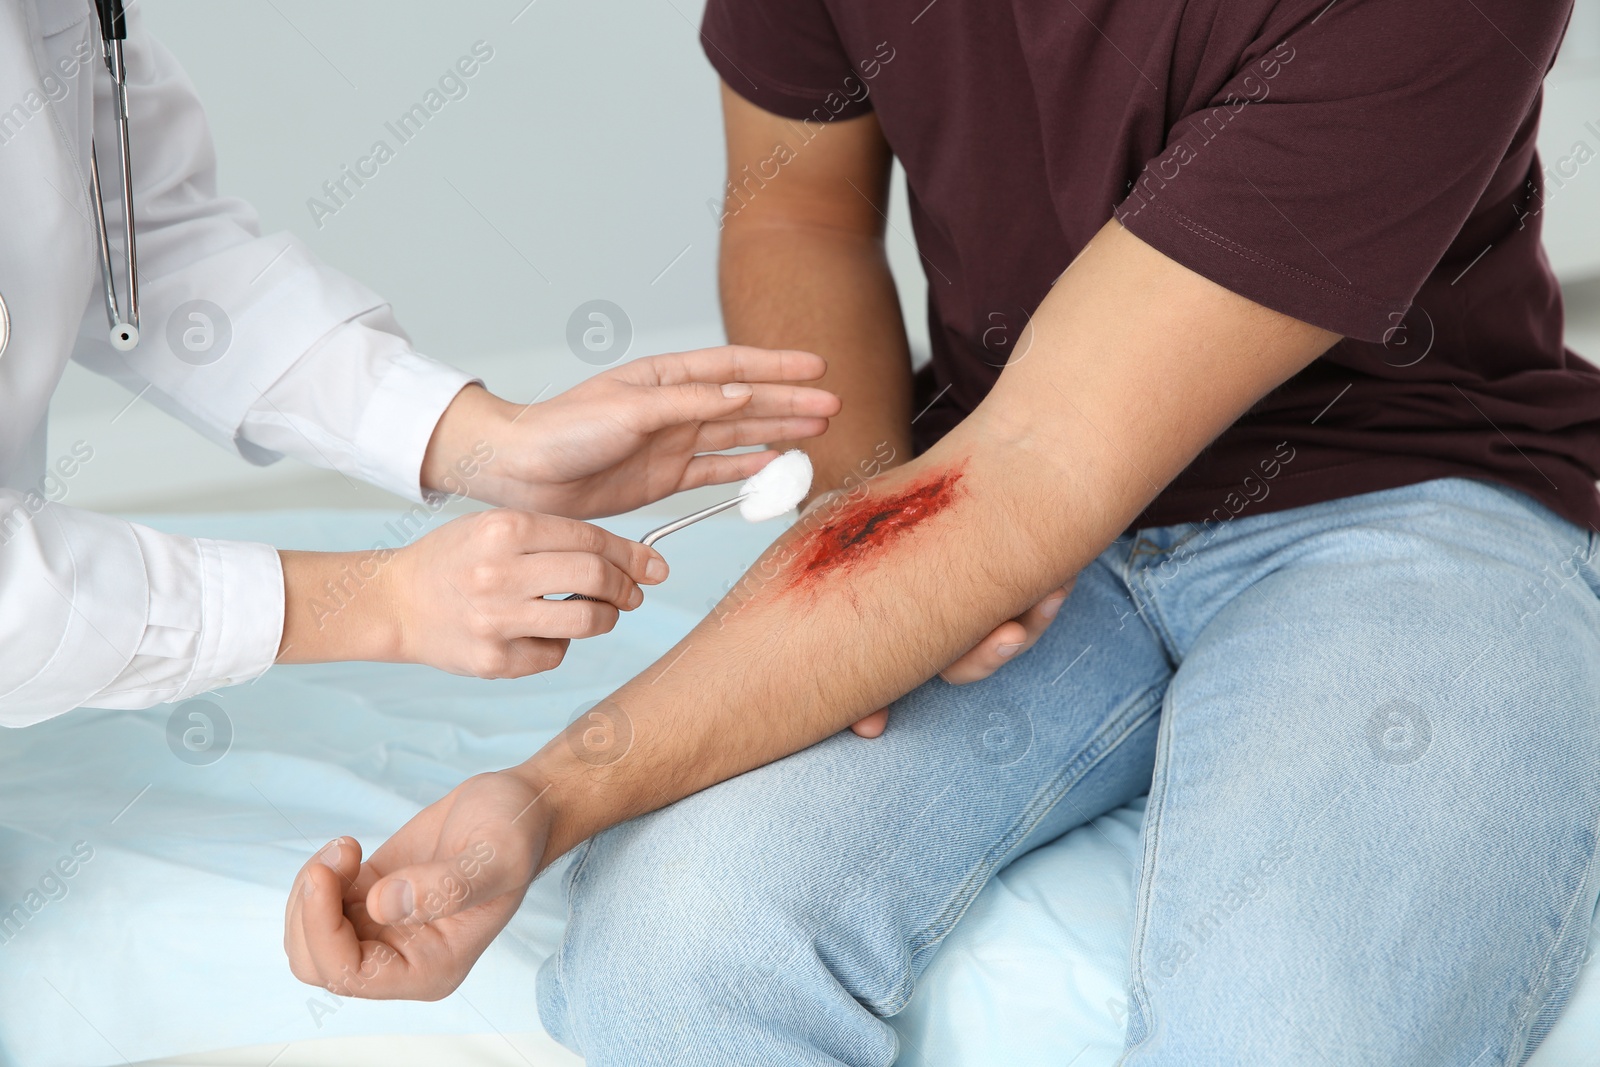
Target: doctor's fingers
716,470
775,401
707,403
725,363
503,622
515,657
737,433
547,573
531,634
568,619
533,535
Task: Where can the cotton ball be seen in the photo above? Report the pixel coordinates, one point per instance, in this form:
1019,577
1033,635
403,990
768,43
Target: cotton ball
777,487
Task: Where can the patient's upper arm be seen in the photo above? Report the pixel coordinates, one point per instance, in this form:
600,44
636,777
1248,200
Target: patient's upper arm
787,172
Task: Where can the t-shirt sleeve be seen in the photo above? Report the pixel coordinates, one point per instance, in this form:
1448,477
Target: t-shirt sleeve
785,56
1329,175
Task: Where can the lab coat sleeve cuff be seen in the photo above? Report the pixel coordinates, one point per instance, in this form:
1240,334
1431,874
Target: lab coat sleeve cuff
410,399
242,607
73,600
101,612
213,617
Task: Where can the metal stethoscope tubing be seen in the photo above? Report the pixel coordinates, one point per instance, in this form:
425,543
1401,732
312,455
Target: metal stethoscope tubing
124,328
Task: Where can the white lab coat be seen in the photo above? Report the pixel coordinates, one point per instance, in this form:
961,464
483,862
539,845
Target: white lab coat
94,610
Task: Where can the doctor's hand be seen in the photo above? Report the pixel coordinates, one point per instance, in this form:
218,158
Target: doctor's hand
411,920
467,597
630,435
1004,643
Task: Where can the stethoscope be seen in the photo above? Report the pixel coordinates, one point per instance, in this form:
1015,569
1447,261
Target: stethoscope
124,328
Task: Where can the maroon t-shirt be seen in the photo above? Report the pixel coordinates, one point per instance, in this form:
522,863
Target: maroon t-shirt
1365,166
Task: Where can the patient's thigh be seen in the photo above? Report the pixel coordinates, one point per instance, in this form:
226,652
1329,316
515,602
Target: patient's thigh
865,852
1371,839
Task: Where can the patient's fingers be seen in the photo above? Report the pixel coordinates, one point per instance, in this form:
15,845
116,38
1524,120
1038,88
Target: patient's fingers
317,906
342,855
987,656
873,725
428,891
333,951
334,955
340,858
1006,642
294,937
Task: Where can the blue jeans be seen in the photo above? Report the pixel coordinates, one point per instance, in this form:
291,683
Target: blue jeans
1370,732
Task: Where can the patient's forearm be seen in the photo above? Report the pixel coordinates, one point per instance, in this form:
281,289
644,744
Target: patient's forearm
859,603
848,613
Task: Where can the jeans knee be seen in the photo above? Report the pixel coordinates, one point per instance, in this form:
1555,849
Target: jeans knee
670,944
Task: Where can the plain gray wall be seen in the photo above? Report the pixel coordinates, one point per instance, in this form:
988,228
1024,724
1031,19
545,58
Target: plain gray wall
588,145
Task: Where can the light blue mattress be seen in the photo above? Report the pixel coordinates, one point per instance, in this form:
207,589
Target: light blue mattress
166,939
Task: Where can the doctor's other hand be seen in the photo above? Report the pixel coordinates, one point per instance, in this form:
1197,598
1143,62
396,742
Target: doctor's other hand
467,597
411,920
1003,644
631,435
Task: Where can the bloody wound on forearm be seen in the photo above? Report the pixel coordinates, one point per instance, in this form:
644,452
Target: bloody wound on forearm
862,528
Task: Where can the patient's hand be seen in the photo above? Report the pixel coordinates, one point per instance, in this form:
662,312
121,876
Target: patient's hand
1010,638
412,920
631,435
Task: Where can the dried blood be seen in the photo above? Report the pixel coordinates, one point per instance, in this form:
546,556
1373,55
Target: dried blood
867,526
